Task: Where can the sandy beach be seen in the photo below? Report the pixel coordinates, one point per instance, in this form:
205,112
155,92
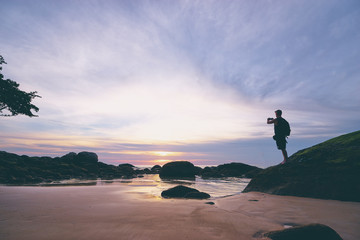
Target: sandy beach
119,212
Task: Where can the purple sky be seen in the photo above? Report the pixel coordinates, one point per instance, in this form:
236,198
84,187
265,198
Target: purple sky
145,82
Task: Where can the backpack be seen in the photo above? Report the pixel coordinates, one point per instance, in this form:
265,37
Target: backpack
284,127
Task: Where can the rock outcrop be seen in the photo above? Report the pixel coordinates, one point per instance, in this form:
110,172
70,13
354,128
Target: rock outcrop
308,232
126,170
230,170
156,169
87,157
178,170
15,169
329,170
184,192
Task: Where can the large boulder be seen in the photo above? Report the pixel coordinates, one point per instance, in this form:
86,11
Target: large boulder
88,162
234,169
126,165
87,157
308,232
329,170
178,170
197,195
69,157
184,192
126,170
156,169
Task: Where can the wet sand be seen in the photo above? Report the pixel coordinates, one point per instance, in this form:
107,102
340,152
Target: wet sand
120,212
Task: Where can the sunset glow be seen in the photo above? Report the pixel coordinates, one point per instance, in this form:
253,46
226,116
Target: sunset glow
162,161
150,153
164,154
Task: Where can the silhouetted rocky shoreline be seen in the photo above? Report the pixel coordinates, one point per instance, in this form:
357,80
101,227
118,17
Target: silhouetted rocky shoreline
23,170
15,169
329,170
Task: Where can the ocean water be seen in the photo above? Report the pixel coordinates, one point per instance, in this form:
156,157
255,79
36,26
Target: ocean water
152,185
217,188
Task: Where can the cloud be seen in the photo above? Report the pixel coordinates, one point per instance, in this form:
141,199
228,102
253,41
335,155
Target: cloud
131,82
180,72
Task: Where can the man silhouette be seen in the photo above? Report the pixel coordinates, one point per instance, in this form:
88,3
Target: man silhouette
279,136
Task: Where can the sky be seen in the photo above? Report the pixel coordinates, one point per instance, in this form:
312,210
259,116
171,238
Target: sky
147,82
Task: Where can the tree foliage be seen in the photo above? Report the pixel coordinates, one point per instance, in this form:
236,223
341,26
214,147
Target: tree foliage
13,100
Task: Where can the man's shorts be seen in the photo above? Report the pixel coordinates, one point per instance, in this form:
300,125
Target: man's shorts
280,142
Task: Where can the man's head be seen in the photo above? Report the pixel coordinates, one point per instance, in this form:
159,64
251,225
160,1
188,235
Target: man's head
278,113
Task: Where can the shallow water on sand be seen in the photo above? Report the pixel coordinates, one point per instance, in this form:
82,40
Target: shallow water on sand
152,185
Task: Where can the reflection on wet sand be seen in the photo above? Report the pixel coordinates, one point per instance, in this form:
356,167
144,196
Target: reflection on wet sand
153,185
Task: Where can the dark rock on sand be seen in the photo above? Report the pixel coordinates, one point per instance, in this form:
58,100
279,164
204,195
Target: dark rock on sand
108,172
177,192
156,169
15,169
126,165
198,170
329,170
230,170
184,192
197,195
210,172
308,232
126,170
178,170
